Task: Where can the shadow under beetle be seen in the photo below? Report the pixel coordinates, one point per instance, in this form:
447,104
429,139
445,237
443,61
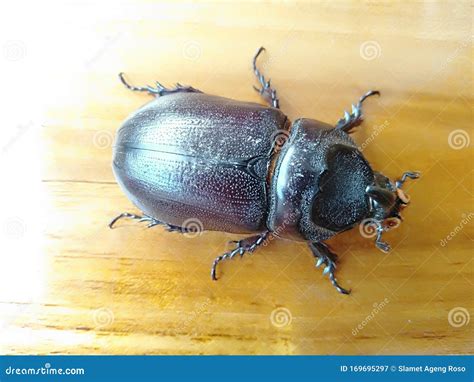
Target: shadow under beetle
242,167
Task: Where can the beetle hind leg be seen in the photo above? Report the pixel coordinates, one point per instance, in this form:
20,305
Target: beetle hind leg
247,245
151,222
159,90
354,118
327,257
268,93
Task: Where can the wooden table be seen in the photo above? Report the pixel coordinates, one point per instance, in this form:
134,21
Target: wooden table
70,285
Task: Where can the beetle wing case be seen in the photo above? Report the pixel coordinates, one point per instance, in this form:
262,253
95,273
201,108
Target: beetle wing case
318,187
196,156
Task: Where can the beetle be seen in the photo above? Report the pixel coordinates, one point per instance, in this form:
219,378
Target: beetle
192,161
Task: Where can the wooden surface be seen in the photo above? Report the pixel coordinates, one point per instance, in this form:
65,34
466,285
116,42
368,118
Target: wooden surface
68,284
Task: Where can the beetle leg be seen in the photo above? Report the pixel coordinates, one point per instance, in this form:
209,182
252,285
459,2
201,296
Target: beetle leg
129,216
159,90
148,219
247,245
353,119
268,93
382,245
327,257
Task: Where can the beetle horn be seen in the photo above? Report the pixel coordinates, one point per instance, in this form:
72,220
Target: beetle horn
381,195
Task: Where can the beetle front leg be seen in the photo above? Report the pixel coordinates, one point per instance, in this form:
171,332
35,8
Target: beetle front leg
268,93
325,256
247,245
349,121
159,90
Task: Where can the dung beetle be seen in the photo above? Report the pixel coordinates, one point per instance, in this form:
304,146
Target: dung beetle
192,161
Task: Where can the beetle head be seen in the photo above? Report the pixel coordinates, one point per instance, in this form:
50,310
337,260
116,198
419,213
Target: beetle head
386,200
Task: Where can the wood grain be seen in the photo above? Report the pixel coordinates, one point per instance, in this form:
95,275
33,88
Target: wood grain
68,284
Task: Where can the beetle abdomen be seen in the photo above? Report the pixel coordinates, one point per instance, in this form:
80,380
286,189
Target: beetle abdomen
195,156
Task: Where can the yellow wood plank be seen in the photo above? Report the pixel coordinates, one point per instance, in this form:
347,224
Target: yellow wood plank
68,284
